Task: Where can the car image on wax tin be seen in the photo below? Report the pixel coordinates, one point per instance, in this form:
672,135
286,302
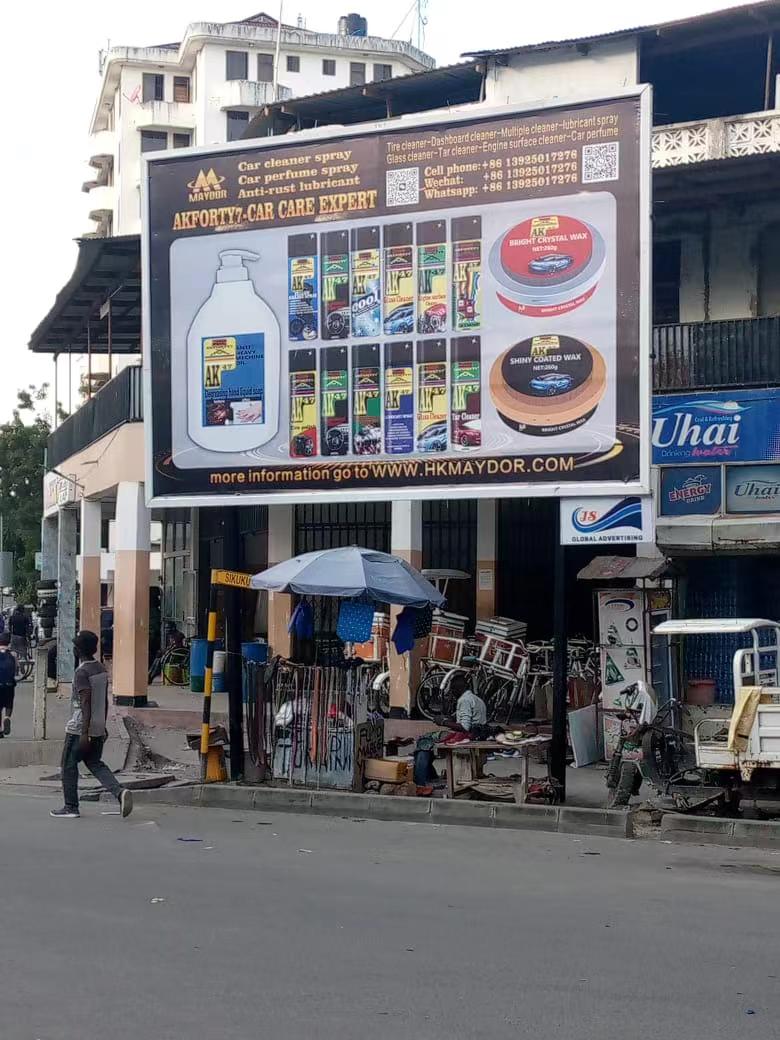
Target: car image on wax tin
553,263
551,384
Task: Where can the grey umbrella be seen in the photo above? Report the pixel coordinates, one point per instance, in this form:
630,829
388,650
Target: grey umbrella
348,573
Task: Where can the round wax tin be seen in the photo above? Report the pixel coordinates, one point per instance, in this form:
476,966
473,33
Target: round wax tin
547,385
547,265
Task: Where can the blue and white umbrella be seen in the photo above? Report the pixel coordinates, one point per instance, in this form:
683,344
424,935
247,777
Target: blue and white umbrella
349,573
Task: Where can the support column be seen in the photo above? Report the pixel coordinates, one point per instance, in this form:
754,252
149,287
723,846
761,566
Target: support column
89,575
406,542
281,546
49,548
131,595
66,593
486,557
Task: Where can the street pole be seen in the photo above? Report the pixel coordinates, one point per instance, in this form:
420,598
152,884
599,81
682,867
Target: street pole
278,49
233,670
560,666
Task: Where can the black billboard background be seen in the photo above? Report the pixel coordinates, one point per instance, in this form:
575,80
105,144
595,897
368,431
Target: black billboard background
172,193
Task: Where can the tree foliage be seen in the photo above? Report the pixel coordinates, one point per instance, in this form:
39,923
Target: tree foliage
22,454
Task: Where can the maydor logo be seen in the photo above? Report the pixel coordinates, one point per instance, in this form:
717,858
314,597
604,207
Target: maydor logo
626,513
207,187
706,429
694,489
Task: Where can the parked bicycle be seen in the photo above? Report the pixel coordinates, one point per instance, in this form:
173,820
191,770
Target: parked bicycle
172,661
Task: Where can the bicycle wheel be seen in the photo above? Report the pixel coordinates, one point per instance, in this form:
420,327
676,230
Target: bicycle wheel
432,703
25,669
176,667
497,693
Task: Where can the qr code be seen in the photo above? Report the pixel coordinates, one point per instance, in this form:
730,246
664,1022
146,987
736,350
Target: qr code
403,187
600,162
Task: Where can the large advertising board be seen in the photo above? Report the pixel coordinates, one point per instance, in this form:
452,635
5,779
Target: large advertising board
716,426
457,305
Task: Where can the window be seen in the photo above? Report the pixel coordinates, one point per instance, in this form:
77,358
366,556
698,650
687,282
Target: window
153,140
293,63
237,123
666,282
153,87
181,89
236,65
182,140
382,72
328,67
265,68
357,73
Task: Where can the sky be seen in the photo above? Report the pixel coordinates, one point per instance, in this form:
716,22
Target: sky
49,81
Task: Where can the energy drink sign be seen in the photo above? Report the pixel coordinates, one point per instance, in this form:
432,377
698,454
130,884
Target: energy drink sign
402,313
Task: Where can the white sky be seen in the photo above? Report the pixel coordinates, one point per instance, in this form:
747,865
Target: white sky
49,79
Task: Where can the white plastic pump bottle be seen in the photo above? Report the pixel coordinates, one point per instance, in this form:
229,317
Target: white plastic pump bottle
233,359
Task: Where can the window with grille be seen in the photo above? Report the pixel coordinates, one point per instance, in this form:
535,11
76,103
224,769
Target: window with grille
181,89
328,67
357,73
382,72
237,123
293,63
265,68
153,140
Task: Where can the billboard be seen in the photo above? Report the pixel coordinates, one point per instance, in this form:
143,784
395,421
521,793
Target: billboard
400,311
605,520
690,491
752,489
719,426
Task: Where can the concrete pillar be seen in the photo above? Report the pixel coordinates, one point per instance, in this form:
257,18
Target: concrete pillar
89,570
49,548
406,542
66,593
131,595
486,557
281,546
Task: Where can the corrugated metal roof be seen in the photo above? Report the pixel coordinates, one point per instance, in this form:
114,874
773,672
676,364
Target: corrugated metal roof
750,10
456,84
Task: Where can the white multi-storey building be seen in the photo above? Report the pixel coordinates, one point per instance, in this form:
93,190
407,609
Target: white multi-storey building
205,89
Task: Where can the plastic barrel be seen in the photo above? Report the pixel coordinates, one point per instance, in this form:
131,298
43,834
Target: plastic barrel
197,664
218,684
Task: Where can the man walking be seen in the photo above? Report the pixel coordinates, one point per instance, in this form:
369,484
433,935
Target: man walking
85,732
19,627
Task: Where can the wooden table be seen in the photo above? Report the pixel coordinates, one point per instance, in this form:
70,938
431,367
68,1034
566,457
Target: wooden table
468,759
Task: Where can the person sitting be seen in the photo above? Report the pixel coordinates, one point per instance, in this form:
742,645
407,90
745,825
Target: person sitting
470,710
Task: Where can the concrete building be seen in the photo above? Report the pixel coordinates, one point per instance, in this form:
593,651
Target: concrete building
206,88
716,174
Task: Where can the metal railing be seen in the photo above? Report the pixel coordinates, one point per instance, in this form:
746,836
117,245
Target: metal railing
716,354
119,401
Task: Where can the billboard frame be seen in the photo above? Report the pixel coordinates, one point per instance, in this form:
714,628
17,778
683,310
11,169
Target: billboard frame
437,118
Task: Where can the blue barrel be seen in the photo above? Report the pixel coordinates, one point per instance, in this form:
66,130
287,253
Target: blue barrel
197,664
255,652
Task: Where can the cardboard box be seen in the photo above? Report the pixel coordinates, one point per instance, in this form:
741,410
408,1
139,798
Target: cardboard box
388,770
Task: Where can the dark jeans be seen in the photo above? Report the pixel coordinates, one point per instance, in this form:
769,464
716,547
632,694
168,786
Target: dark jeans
71,756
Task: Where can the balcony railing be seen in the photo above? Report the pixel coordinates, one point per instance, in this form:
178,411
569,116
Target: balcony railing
716,354
118,402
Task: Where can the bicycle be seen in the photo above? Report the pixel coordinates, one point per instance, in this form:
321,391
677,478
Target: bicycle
173,664
496,671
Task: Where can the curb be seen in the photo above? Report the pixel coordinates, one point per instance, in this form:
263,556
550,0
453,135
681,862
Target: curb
608,823
714,830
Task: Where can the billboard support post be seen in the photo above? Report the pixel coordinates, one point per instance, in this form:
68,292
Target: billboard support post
560,661
233,669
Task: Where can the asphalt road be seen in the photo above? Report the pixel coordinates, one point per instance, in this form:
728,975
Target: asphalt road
300,927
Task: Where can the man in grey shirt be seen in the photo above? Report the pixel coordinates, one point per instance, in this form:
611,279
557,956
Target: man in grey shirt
85,731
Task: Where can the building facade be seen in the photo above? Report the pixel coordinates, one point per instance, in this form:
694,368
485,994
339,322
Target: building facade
716,306
206,88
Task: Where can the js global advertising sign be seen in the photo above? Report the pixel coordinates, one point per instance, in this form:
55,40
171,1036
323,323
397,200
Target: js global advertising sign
398,312
624,520
728,426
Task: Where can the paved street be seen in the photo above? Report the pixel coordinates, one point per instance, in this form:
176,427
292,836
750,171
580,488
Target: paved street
293,926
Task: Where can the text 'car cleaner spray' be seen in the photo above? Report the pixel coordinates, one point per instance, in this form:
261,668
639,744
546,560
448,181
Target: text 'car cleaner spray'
233,363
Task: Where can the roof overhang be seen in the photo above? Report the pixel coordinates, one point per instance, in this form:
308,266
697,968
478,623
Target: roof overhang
106,269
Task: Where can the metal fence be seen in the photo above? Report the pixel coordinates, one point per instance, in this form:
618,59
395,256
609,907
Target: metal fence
118,402
716,354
